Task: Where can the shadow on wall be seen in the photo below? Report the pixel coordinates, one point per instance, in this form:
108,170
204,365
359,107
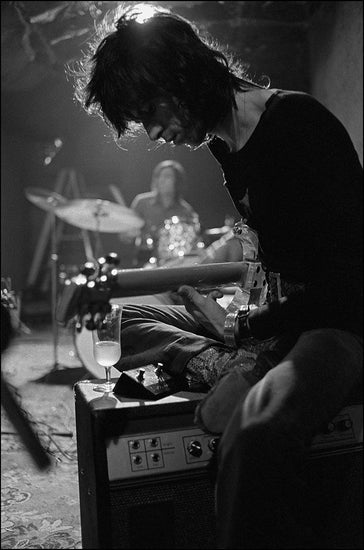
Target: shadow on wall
336,44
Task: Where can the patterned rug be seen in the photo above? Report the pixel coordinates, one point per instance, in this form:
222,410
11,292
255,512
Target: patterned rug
40,509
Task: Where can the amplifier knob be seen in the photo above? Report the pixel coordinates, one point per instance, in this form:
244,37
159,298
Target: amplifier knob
137,459
212,444
329,428
194,448
155,457
343,425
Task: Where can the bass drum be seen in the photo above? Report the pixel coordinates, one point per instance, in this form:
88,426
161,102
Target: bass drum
177,238
83,340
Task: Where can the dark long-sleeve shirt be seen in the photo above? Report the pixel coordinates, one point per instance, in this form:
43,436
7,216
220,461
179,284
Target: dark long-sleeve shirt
298,182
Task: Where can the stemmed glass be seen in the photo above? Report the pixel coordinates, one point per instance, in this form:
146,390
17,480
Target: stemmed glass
106,345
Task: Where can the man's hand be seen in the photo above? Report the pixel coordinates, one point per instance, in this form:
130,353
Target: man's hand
205,309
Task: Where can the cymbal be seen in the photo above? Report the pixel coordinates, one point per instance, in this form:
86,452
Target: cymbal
99,215
44,199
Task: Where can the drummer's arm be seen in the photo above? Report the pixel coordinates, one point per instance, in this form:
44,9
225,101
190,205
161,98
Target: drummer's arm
129,235
225,249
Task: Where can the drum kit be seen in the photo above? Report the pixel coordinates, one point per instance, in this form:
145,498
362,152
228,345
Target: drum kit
97,215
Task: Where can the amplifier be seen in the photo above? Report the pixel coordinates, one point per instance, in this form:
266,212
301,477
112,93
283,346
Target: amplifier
144,477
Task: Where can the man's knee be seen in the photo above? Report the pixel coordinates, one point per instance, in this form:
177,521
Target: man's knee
256,442
340,345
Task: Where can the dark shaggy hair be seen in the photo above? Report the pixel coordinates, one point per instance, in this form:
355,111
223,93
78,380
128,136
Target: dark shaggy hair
132,62
179,174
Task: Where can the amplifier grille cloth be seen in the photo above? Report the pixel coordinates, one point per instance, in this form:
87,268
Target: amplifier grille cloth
178,514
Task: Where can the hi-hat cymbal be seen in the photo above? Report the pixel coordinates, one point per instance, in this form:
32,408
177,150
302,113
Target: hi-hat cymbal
99,215
44,199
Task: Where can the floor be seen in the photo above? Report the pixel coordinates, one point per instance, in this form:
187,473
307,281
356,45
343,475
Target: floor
40,508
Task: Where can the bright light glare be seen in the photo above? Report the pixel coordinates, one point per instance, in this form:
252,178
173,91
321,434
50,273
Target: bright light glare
145,12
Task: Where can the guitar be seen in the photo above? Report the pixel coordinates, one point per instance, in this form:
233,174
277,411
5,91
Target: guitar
12,303
89,292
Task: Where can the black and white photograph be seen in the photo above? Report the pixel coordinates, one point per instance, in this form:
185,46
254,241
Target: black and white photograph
182,275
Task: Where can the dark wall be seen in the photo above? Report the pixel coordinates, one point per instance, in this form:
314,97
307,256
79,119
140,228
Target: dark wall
336,43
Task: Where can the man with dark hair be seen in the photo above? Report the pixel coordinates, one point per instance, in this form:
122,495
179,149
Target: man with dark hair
294,175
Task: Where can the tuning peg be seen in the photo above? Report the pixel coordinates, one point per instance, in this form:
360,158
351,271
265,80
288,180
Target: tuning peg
109,262
88,269
112,258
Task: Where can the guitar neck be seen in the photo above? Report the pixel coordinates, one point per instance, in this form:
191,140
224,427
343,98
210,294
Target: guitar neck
136,282
139,282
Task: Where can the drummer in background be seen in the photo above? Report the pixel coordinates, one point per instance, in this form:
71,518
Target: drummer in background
161,203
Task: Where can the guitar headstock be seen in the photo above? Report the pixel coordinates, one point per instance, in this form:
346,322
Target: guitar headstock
87,295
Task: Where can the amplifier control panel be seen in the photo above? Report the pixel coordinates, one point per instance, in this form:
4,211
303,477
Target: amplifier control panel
145,454
344,431
167,452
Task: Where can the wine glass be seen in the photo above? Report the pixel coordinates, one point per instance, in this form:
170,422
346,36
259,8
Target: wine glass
106,345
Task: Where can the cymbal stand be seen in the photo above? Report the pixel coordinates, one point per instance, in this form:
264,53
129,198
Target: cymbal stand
98,213
54,266
59,374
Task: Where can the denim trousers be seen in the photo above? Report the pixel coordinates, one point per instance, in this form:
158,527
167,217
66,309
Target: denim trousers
161,333
259,488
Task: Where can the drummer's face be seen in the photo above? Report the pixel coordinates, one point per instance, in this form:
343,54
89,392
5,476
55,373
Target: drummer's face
166,181
164,120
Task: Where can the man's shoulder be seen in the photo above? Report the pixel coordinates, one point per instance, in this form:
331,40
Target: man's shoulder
292,100
295,108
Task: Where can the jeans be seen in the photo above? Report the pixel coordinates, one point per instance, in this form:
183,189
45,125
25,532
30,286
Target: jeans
165,334
259,489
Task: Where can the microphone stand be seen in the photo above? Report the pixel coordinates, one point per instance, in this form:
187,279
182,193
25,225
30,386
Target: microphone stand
54,265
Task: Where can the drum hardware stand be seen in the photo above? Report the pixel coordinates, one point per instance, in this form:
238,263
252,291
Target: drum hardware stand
98,213
65,177
59,373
